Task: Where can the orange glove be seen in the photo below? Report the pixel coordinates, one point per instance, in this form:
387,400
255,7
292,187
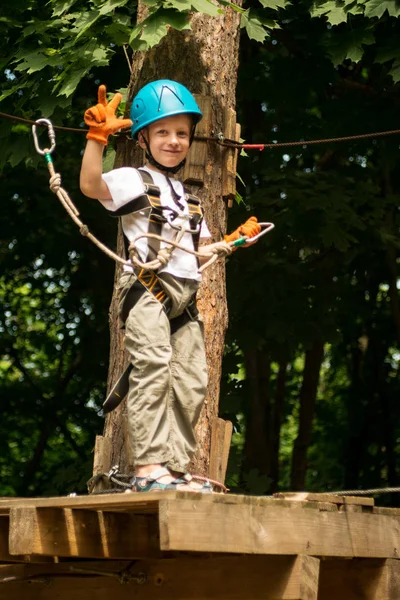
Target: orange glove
102,120
250,229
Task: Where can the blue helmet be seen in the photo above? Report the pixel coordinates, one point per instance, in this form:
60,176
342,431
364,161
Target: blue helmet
160,99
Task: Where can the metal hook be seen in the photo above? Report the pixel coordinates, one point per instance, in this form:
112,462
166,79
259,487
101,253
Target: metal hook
51,134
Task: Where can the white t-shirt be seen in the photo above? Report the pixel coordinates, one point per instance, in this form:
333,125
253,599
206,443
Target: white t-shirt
125,184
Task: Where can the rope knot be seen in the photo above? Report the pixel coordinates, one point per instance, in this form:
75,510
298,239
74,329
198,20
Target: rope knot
55,182
84,230
222,249
164,256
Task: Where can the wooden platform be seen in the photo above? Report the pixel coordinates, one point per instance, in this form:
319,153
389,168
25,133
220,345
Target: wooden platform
191,546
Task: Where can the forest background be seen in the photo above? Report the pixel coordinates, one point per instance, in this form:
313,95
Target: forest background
311,373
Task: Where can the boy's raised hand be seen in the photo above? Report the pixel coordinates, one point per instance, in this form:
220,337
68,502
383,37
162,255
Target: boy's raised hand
101,118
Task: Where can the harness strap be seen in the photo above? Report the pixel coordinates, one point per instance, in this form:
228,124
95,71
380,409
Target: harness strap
146,280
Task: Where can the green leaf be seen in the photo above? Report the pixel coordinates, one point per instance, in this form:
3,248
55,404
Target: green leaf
100,57
320,11
206,7
376,8
178,4
111,5
36,61
389,52
335,13
395,71
337,16
253,27
61,7
349,45
155,27
274,4
72,81
86,20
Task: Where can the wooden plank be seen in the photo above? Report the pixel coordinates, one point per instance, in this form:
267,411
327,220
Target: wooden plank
221,435
82,533
124,502
219,527
196,163
230,155
102,460
183,578
368,579
142,503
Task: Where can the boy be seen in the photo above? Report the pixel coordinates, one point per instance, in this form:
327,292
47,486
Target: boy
163,331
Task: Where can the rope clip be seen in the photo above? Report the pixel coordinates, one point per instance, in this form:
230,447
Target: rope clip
51,134
113,471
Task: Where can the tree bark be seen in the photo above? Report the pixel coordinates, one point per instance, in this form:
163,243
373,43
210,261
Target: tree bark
205,59
308,395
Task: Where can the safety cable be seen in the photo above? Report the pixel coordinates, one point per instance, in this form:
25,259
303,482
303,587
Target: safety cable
390,490
222,141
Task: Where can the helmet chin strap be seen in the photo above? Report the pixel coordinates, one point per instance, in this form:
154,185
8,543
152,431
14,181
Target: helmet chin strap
163,168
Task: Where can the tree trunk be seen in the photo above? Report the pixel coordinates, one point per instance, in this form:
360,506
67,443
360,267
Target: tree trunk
277,415
258,421
308,395
204,59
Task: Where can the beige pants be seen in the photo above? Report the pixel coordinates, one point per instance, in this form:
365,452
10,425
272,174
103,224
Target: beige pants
168,381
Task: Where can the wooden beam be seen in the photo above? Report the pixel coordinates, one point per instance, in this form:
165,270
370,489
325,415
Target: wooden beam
5,555
217,526
82,533
101,461
182,578
221,435
148,503
368,579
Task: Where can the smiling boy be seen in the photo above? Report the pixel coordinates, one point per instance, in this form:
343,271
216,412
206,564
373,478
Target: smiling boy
163,330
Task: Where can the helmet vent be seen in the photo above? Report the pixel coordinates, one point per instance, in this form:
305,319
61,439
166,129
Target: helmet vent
166,87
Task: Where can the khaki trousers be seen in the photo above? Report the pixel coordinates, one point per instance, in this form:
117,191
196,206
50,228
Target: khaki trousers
168,381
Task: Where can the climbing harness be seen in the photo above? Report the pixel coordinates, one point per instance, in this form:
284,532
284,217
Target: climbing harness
222,249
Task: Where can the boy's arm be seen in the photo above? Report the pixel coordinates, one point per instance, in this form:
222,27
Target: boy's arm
102,123
91,182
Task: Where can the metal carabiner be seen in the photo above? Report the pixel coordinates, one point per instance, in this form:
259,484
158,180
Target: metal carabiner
51,134
179,227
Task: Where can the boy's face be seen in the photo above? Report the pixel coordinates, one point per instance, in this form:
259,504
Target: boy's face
169,139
